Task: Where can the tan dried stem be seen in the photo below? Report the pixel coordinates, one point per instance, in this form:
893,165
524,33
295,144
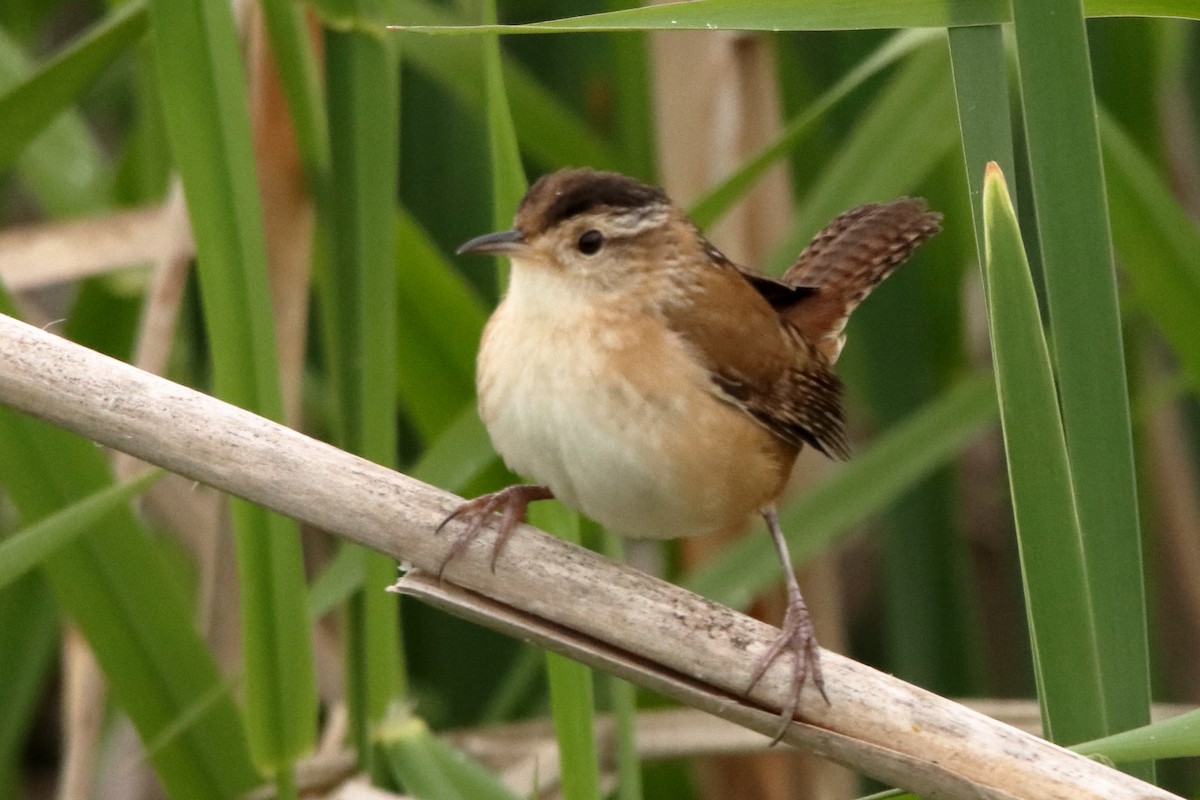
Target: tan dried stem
717,103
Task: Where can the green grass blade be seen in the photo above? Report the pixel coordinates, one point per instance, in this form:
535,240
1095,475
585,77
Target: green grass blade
468,776
629,763
1177,737
30,106
337,583
897,461
405,748
572,706
1062,620
979,70
1085,331
1158,244
1179,9
572,691
622,697
28,548
508,175
981,91
201,84
813,15
632,83
459,455
363,99
768,15
362,290
301,81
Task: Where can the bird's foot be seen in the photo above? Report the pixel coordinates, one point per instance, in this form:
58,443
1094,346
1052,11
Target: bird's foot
513,501
797,636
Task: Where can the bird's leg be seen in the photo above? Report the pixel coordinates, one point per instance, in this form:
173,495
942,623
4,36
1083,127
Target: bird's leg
514,501
796,635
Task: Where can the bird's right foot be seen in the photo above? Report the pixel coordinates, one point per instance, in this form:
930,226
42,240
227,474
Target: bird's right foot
513,501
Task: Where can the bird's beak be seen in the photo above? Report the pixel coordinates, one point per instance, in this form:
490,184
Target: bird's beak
499,243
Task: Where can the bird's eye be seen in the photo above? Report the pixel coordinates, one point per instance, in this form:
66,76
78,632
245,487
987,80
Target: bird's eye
590,241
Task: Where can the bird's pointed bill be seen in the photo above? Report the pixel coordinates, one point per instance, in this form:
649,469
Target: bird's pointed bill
499,243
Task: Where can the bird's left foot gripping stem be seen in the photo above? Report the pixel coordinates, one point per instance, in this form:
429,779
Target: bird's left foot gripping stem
513,501
797,635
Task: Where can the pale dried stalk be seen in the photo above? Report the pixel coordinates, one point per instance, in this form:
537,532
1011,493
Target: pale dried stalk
674,733
716,101
58,252
83,717
568,598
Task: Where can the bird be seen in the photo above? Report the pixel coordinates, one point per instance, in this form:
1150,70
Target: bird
641,377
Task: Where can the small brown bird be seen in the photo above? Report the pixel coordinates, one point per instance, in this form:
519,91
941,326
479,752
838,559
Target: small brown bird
644,379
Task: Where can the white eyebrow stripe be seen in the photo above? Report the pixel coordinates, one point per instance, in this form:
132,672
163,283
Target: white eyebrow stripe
633,221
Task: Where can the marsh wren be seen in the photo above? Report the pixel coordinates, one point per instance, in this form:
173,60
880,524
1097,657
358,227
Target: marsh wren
649,382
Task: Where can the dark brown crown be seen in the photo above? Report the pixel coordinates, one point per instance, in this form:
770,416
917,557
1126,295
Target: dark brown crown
570,192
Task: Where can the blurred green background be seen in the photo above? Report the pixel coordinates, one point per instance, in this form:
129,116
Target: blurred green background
263,202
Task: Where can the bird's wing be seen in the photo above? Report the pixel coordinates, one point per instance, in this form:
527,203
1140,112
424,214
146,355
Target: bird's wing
758,362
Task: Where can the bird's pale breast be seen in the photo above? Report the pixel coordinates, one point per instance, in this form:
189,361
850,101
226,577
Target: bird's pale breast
610,411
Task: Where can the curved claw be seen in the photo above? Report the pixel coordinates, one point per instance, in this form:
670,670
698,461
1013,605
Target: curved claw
514,500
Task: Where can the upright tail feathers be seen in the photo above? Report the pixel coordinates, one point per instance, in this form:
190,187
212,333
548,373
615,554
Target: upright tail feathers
847,259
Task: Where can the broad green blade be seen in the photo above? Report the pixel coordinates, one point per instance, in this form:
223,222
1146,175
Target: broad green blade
508,175
202,89
1062,619
767,15
632,89
460,454
1085,332
572,691
981,92
1177,737
362,85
